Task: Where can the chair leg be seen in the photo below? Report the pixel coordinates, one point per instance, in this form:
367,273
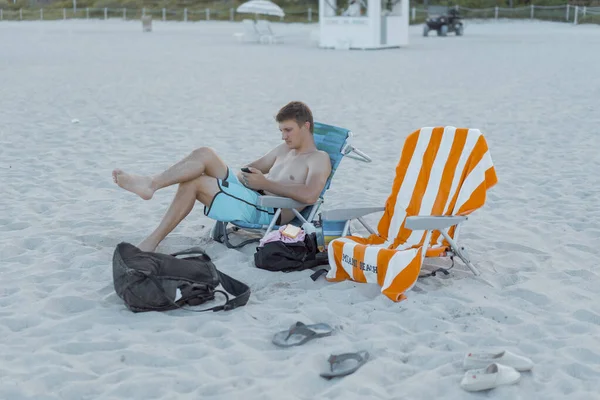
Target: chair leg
218,231
219,234
239,245
460,252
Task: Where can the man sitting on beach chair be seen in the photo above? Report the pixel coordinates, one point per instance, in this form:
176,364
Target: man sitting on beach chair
295,169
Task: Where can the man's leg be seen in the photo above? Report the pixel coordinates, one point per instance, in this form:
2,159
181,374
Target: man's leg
203,189
202,161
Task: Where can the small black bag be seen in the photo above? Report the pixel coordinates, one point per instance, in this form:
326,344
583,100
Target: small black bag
148,281
287,257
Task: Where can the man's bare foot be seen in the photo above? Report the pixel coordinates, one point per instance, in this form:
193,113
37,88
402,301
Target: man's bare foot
140,185
148,245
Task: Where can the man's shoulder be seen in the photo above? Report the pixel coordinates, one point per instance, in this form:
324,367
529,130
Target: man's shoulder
320,158
321,155
281,148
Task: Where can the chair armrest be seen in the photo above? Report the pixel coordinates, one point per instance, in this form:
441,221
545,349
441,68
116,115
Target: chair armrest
356,154
426,223
344,214
279,202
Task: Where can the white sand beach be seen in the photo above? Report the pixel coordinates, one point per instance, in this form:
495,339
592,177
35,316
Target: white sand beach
145,100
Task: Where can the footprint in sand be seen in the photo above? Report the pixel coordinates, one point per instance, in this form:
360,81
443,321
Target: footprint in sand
20,323
582,273
517,247
580,371
584,356
89,347
530,296
68,305
14,226
582,247
495,314
587,316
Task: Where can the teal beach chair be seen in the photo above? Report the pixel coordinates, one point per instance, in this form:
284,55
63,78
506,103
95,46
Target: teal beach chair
337,142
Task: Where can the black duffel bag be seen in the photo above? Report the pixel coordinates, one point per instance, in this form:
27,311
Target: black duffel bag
148,281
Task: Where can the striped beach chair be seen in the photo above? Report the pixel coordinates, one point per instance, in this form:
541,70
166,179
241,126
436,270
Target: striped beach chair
443,175
335,141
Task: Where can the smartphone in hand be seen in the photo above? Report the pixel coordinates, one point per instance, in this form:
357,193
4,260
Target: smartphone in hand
246,169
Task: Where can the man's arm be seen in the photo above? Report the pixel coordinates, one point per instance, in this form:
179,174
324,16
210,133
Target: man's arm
265,163
319,168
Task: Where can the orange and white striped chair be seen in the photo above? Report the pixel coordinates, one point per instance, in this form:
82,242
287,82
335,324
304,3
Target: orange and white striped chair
442,176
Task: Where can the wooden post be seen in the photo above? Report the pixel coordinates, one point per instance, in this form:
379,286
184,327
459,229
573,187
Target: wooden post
147,23
164,16
41,14
208,14
87,13
105,13
532,7
309,14
231,10
496,12
64,13
567,16
185,15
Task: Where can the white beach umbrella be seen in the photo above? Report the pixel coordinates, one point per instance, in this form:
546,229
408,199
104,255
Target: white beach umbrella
261,7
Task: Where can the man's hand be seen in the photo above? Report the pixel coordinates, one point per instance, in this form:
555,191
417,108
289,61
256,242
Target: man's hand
255,180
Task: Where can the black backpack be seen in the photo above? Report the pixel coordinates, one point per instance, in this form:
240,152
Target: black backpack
288,257
148,281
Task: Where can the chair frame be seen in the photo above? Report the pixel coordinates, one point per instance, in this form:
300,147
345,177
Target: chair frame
219,231
418,223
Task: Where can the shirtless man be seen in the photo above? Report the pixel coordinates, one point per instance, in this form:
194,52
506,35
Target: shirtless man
294,169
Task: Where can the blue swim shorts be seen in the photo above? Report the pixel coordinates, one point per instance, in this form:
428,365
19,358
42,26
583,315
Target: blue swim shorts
236,202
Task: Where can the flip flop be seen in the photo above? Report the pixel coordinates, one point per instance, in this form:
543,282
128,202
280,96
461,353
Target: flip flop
491,377
300,333
339,367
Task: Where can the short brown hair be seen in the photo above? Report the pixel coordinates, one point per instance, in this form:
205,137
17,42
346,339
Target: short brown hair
297,111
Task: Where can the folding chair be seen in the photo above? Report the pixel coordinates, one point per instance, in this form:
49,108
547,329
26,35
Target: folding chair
266,32
443,175
250,33
337,142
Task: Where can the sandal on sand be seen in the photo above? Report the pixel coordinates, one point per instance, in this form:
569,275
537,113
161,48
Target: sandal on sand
341,368
493,376
300,333
474,360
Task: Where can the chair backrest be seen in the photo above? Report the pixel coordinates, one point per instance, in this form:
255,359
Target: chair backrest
442,171
331,139
264,27
249,27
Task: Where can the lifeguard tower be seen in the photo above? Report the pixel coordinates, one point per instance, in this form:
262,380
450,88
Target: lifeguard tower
363,24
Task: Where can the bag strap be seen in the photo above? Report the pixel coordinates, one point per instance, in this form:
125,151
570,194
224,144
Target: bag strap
240,290
193,250
215,308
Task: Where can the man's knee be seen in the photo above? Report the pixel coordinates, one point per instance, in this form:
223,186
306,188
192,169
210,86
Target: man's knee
205,187
204,153
213,165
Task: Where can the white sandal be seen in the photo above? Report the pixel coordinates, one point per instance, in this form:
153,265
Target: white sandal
491,377
483,359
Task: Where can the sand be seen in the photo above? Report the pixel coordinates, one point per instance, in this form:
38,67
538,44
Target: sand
141,101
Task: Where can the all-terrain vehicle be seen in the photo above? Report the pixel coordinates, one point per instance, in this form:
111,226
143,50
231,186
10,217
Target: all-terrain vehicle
443,20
